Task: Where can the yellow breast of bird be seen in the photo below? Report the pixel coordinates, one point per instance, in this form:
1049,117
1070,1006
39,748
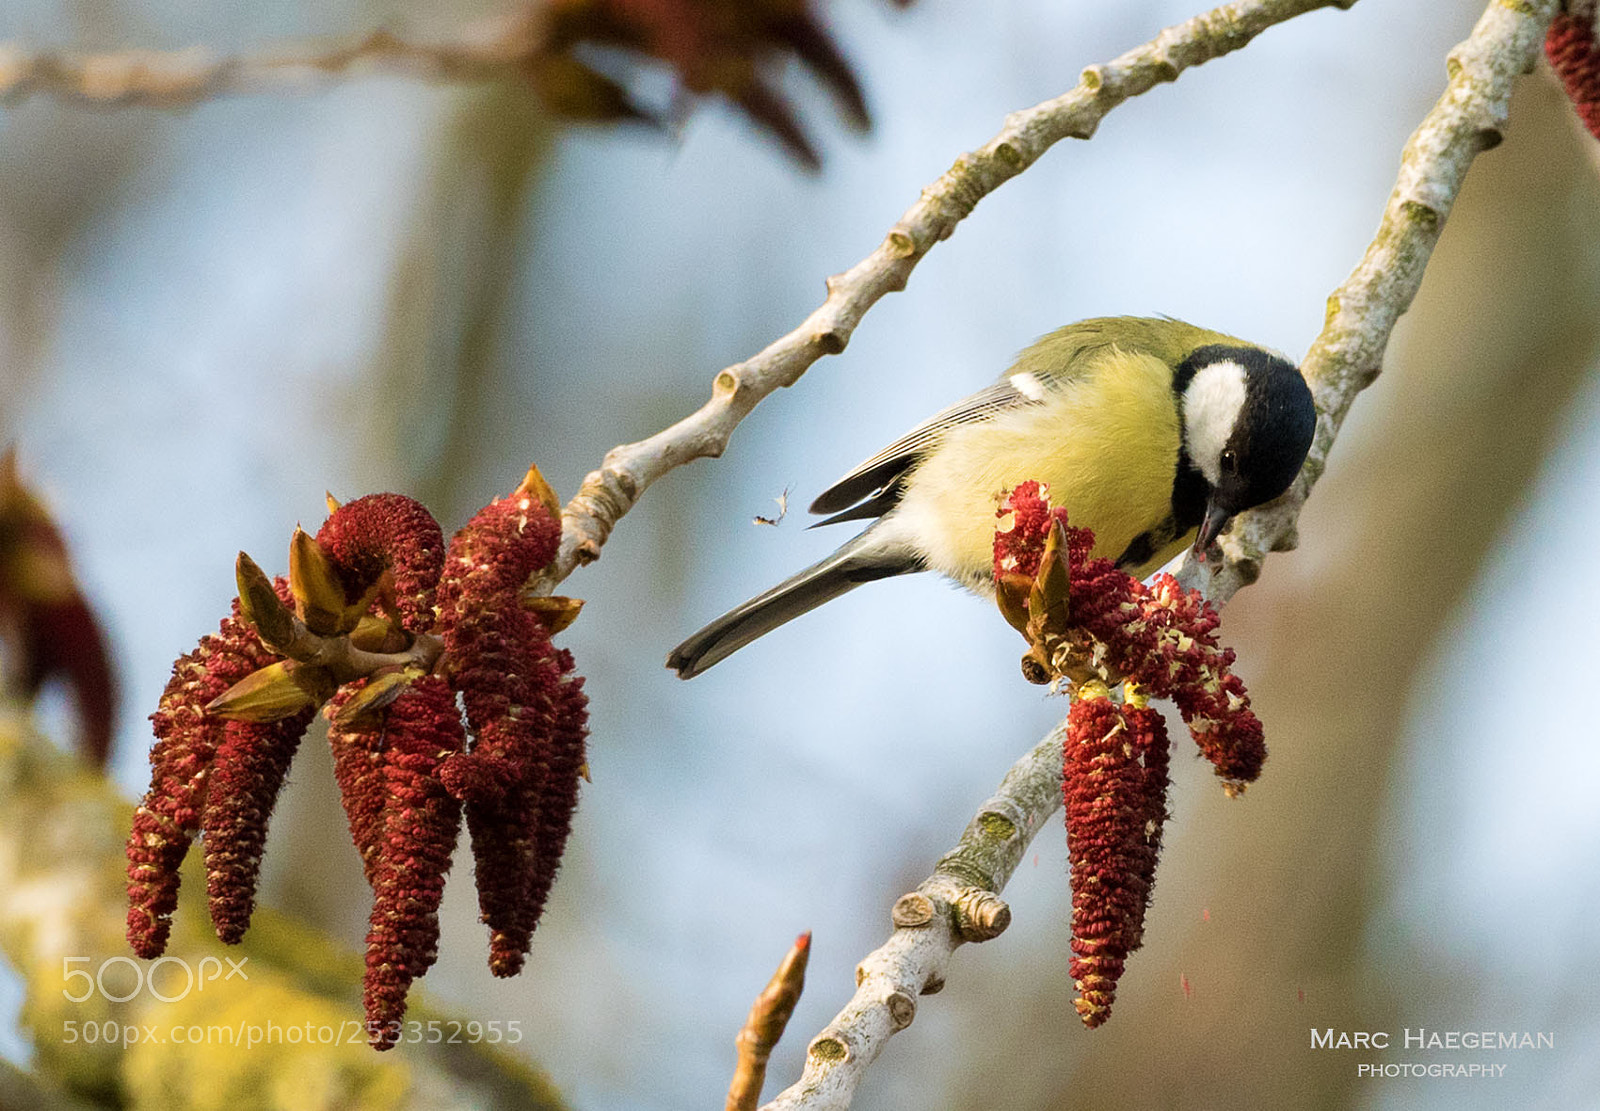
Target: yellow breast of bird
1105,441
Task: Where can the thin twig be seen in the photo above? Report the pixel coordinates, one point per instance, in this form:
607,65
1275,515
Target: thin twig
629,469
345,661
769,1015
166,79
1467,119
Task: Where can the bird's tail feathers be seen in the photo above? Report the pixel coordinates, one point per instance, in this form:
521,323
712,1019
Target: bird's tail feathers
863,559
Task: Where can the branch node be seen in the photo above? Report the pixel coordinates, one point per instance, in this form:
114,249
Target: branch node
1421,213
981,915
829,1050
1009,156
902,1009
912,910
934,985
901,244
996,826
1035,670
831,341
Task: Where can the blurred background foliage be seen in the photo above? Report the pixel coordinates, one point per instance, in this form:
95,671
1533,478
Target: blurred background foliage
209,317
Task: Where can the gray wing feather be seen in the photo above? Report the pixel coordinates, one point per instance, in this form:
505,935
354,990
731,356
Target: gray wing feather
880,473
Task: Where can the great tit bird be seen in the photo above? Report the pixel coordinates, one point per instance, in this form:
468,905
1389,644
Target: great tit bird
1151,432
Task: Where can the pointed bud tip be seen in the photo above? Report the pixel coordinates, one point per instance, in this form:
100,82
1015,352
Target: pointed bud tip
364,707
318,594
554,611
534,483
273,693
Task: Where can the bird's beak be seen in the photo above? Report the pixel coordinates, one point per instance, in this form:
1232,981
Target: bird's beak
1215,520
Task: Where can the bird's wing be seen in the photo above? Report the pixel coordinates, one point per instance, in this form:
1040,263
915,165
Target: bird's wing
872,487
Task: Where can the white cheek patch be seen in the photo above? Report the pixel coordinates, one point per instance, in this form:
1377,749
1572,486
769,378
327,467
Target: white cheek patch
1211,406
1028,386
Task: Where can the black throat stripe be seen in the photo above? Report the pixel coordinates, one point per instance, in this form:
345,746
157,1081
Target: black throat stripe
1190,490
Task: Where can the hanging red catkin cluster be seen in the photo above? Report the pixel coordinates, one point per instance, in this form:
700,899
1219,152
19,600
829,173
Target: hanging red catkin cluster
1160,636
1574,52
1114,785
366,596
404,825
520,781
1085,617
181,764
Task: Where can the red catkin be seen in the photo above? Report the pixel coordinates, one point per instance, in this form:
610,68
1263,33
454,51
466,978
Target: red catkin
382,532
1103,793
519,782
1212,699
1114,788
245,780
166,821
558,796
358,769
1574,54
420,824
505,859
1147,732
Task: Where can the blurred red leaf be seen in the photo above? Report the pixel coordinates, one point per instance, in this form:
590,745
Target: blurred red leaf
730,48
50,630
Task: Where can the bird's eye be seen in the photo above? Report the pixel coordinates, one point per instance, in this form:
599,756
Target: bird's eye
1230,461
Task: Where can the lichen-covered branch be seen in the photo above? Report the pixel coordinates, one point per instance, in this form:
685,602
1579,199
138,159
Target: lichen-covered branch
957,903
1345,359
629,469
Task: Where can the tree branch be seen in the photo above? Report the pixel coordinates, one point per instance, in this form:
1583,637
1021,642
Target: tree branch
1344,360
167,79
629,469
955,904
